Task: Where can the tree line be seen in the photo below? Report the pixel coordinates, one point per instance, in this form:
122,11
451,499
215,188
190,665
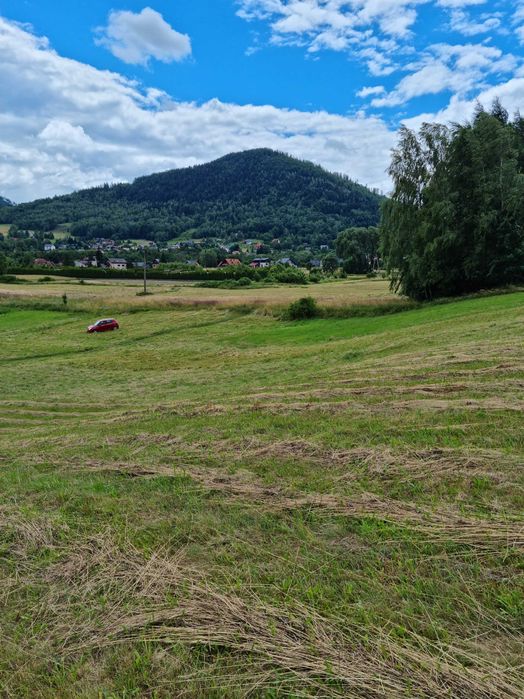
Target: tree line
454,222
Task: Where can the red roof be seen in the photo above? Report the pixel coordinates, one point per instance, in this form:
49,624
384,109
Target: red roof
230,262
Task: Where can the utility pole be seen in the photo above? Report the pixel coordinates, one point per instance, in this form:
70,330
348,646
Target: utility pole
145,271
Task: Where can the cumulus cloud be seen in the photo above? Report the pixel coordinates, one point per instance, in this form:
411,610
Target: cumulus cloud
65,125
383,35
374,90
510,93
137,37
458,68
462,22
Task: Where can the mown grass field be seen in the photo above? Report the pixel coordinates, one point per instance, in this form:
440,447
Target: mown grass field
210,503
121,295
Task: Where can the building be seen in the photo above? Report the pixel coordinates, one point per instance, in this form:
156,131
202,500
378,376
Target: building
104,243
49,247
86,262
230,262
117,263
42,262
260,262
287,262
315,264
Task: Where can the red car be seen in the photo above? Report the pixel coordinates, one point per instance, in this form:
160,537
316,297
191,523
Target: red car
101,326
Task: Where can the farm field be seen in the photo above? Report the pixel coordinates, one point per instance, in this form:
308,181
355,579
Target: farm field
214,503
122,294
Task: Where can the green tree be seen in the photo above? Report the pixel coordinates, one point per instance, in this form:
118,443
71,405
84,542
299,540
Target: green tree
208,258
454,223
3,263
359,248
330,263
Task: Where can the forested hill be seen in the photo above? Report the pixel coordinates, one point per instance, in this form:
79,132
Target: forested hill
258,193
5,202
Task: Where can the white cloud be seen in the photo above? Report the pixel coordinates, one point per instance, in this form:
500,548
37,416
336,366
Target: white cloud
463,23
460,3
65,125
368,91
517,20
383,33
137,37
458,68
510,93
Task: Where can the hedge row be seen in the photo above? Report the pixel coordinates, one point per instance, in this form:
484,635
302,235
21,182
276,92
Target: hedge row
194,274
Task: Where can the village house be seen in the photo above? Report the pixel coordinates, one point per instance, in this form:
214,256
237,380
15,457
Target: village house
260,262
86,262
49,247
42,262
287,262
117,263
230,262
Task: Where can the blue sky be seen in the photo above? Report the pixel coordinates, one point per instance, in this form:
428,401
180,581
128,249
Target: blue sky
105,91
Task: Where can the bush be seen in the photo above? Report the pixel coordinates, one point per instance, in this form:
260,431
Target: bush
8,279
315,277
302,309
46,279
287,275
226,284
193,274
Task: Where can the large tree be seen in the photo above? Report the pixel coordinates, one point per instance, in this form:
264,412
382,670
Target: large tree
359,248
454,223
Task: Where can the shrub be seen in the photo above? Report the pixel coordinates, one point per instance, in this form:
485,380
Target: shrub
8,279
226,284
287,275
302,309
46,279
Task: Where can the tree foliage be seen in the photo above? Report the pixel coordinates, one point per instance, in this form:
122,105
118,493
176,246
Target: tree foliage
454,223
330,263
359,248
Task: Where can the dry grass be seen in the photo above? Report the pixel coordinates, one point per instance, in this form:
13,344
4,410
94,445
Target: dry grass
438,525
122,294
306,648
213,505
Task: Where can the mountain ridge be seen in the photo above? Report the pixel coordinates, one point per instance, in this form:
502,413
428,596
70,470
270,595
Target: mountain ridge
255,193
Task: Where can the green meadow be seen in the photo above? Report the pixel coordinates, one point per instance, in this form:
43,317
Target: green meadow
212,502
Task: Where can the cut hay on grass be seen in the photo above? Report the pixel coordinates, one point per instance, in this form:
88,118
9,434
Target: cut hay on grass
162,600
439,525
